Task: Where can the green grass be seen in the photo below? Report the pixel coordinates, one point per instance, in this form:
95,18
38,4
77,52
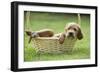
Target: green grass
57,22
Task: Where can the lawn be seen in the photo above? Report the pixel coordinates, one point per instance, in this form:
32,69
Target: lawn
57,22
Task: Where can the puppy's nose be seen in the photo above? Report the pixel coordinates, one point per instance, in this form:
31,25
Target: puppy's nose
70,33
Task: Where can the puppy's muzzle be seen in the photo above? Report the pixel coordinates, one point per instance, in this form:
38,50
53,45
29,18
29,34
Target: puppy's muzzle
70,35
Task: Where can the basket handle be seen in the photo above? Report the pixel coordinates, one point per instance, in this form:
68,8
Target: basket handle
79,18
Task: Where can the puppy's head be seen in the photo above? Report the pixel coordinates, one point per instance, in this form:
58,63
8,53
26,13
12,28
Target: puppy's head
73,31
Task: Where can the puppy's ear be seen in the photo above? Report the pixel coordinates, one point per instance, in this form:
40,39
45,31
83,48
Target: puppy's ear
79,35
62,38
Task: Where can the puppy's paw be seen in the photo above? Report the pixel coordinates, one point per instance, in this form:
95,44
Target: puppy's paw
34,35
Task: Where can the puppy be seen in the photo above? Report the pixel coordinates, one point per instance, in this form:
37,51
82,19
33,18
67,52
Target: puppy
72,31
41,33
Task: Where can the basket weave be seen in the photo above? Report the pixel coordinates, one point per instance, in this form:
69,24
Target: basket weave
52,45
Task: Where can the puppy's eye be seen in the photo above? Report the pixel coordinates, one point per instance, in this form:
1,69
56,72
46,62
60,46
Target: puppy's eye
74,29
68,28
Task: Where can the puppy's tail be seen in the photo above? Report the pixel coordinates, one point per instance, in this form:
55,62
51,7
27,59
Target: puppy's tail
79,19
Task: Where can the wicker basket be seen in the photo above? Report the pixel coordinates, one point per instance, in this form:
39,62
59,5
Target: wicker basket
52,45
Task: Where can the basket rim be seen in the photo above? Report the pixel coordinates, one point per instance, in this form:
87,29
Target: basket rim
47,38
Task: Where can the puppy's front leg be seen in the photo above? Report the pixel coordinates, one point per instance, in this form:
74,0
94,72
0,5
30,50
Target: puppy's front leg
62,38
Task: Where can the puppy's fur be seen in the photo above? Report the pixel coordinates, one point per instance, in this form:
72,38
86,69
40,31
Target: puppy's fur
72,31
41,33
